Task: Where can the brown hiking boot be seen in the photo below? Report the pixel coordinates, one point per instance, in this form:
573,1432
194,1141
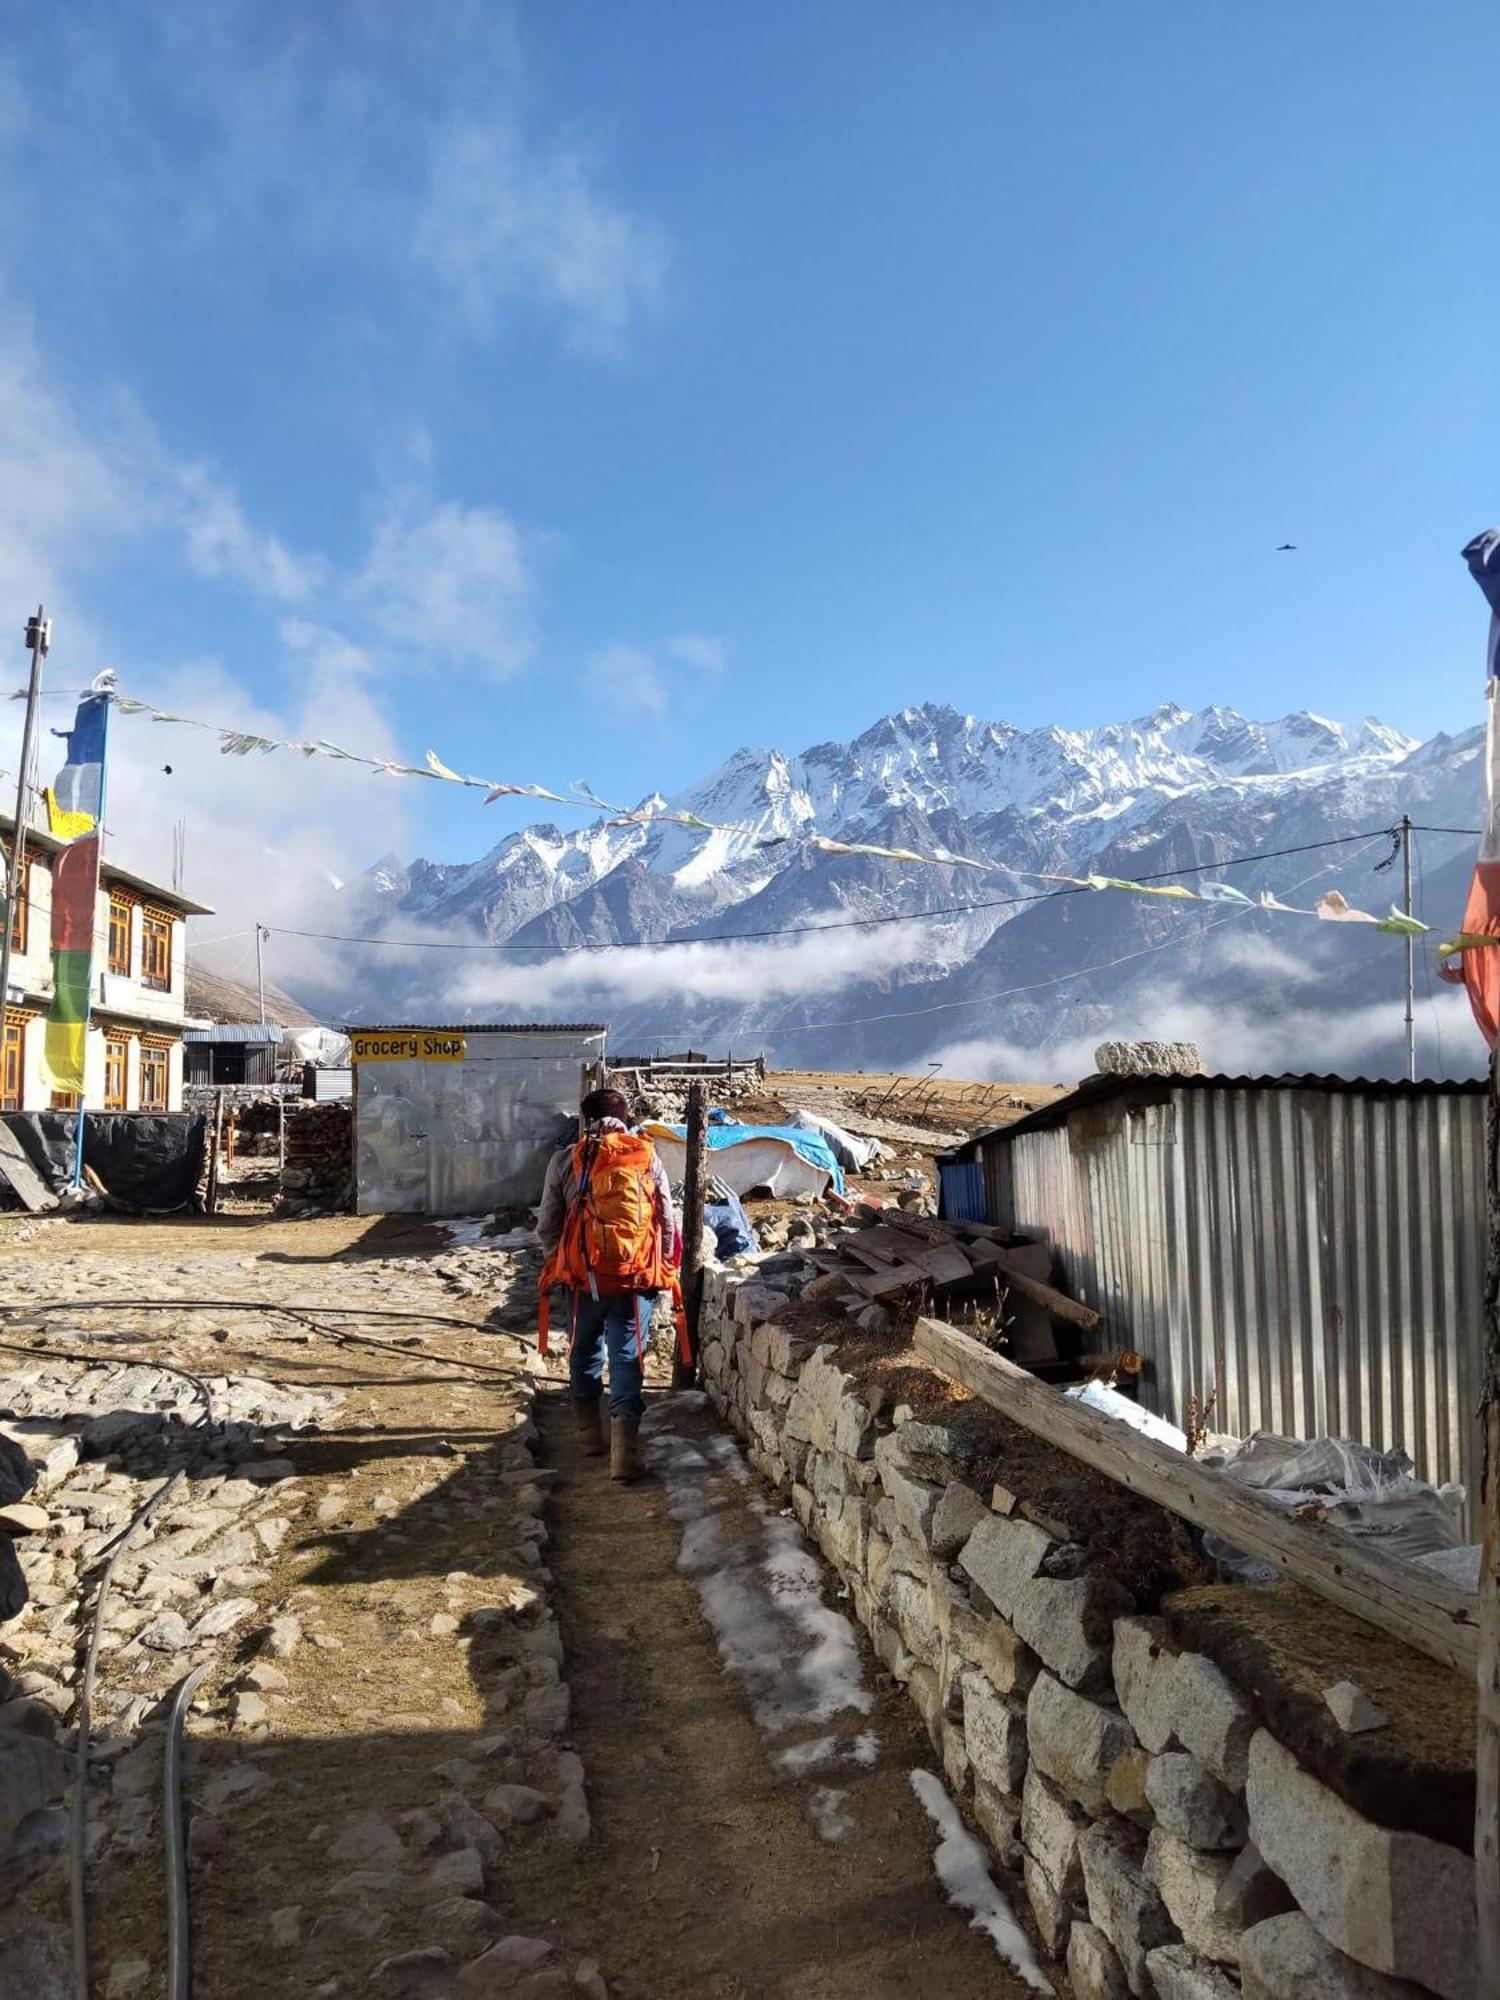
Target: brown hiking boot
626,1459
589,1418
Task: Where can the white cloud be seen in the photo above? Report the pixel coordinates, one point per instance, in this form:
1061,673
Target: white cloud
757,970
628,682
448,586
220,542
498,222
701,650
633,681
399,141
1247,1039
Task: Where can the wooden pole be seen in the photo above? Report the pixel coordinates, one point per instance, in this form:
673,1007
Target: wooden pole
694,1187
1412,1603
1487,1750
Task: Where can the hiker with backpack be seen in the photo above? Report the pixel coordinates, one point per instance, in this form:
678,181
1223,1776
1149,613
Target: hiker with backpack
610,1233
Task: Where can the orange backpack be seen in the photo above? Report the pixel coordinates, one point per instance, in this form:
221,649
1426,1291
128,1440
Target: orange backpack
611,1240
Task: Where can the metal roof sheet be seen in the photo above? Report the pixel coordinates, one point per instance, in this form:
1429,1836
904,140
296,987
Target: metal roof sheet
475,1028
236,1031
1102,1089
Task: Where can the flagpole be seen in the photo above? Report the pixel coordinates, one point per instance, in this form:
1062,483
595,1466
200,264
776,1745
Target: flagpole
1411,953
38,638
88,1009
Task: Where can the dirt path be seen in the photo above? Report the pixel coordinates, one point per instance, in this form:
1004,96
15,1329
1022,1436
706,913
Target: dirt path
387,1752
705,1875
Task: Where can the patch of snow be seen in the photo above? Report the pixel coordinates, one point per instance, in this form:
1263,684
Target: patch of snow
760,1587
1125,1410
827,1809
467,1229
961,1867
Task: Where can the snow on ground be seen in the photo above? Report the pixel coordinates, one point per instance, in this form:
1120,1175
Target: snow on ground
962,1869
470,1230
760,1586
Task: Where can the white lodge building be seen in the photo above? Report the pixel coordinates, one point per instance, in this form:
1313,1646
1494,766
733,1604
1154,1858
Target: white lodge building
138,988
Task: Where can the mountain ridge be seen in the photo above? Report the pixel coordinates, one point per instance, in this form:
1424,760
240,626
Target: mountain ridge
1174,789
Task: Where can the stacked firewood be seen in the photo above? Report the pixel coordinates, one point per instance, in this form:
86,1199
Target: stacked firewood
998,1281
318,1177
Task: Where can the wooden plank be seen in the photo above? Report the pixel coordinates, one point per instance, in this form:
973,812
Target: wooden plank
944,1263
894,1278
991,1258
31,1190
1413,1604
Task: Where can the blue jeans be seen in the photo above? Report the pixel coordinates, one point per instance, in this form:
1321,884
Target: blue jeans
609,1324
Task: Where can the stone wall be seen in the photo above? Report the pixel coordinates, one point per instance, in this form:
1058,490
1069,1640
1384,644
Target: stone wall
1167,1843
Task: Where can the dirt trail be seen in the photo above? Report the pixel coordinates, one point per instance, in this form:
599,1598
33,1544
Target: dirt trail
402,1779
705,1876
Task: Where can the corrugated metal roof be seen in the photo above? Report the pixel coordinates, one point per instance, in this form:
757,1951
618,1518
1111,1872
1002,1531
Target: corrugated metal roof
1103,1089
476,1028
235,1031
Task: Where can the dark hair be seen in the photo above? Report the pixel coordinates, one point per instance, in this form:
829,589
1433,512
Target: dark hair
604,1104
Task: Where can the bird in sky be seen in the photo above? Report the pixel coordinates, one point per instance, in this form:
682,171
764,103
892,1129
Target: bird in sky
1282,547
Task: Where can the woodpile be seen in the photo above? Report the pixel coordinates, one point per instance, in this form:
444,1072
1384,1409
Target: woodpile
1005,1280
318,1176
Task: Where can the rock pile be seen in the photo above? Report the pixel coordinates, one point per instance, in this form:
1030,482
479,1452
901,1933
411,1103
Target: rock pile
1168,1843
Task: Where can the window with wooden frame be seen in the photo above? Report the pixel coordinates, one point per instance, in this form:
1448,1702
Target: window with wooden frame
153,1078
156,951
64,1100
116,1071
13,1068
20,916
121,920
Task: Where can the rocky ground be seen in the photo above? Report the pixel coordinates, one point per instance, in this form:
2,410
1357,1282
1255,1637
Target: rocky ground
472,1721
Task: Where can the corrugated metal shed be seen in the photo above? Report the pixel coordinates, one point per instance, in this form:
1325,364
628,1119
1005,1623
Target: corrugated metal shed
1310,1248
462,1136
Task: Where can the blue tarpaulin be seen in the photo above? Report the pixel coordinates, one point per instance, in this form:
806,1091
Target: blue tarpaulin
809,1146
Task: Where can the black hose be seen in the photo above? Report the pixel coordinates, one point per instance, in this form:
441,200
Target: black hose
179,1933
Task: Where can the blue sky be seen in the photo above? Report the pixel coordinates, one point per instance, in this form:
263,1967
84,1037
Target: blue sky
585,390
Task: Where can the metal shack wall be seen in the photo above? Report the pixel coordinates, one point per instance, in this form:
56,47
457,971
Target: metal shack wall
458,1138
1317,1257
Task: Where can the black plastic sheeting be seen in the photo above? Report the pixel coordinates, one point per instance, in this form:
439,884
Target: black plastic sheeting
146,1158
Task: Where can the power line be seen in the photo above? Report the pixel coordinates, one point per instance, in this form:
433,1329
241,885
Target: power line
1058,979
841,923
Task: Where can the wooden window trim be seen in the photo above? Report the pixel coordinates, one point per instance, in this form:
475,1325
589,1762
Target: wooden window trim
20,923
150,919
152,1055
117,1046
121,965
14,1021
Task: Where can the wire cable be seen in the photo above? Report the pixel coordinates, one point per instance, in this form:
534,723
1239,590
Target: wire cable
1058,979
838,923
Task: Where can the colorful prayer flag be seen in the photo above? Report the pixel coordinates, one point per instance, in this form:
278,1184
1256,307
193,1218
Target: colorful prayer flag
1479,971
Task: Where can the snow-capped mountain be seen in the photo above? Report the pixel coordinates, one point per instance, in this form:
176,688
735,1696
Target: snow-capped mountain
982,963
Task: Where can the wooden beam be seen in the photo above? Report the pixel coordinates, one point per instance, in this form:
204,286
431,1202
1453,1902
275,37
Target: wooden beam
1487,1747
694,1190
989,1256
1413,1604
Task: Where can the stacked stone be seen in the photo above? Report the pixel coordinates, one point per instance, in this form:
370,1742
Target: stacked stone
1166,1844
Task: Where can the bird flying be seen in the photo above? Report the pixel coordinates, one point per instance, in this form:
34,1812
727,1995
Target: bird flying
1281,547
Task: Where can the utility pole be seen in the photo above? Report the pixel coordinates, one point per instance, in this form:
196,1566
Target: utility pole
38,640
1487,1749
694,1188
1411,953
261,934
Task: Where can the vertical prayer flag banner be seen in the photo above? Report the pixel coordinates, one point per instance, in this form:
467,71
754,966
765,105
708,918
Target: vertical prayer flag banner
73,808
78,786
